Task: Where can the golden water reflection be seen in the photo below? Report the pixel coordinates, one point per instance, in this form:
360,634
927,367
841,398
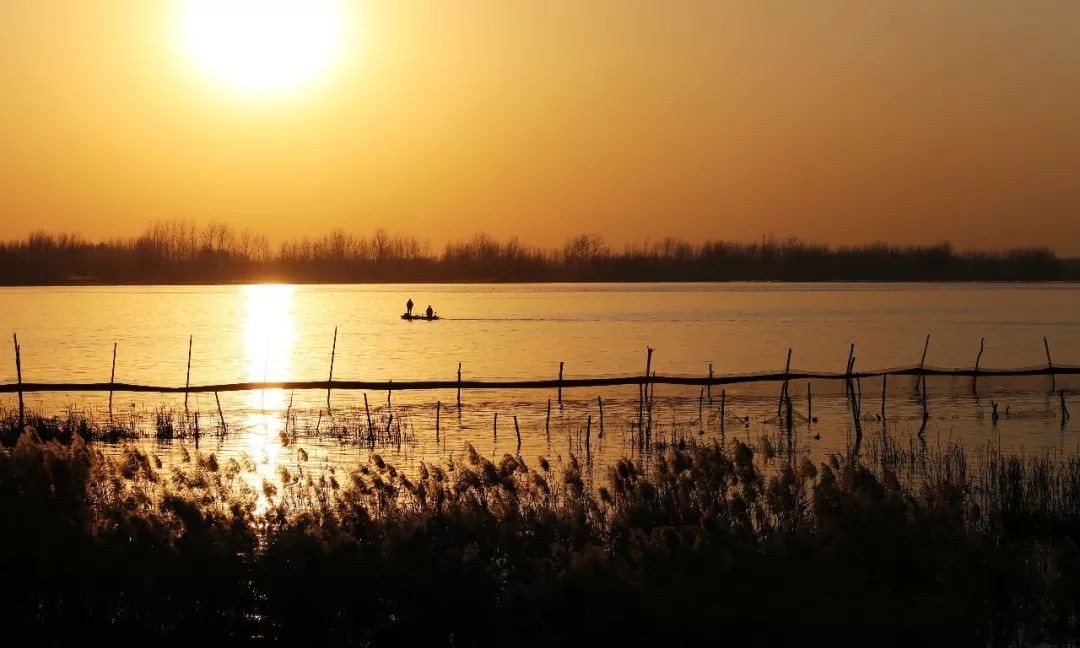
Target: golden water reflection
269,337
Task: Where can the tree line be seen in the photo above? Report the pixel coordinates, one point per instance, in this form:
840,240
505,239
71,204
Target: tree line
183,252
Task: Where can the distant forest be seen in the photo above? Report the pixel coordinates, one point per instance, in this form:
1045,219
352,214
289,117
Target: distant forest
180,252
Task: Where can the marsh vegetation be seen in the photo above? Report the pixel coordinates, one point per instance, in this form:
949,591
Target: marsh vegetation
712,542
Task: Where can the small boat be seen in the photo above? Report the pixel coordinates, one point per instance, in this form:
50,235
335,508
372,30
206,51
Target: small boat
419,316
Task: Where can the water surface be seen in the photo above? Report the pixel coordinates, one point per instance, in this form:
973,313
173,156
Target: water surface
274,332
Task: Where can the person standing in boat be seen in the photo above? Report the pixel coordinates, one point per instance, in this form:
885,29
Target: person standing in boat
430,313
408,307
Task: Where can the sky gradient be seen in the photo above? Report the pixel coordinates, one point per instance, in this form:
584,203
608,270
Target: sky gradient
837,121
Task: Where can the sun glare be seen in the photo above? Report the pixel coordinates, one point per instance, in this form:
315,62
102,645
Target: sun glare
262,47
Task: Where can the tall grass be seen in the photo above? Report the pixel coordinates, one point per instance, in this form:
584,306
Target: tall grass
706,544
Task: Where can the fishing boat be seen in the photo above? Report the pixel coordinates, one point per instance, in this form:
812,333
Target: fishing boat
419,316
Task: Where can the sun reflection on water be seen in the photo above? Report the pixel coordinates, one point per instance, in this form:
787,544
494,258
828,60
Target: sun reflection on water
269,336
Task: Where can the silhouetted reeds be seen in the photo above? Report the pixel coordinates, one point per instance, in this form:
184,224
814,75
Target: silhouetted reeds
707,543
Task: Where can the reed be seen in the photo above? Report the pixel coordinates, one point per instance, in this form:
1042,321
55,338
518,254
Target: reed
473,548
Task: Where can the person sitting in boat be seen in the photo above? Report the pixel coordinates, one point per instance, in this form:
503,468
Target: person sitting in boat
408,306
429,312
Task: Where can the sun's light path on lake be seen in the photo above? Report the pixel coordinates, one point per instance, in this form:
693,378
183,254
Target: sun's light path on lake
269,336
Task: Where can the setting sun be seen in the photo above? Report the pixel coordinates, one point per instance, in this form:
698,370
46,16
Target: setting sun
262,47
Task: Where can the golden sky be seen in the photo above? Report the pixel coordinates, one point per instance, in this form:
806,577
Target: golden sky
838,121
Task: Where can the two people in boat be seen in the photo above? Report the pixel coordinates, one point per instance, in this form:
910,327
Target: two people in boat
429,313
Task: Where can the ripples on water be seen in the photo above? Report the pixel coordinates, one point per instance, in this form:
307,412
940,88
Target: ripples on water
254,333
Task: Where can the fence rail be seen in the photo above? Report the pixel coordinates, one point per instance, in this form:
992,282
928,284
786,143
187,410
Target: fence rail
554,383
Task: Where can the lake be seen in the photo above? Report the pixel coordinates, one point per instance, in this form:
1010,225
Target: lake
275,332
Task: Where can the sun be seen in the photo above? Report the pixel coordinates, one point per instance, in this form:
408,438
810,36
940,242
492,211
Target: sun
262,47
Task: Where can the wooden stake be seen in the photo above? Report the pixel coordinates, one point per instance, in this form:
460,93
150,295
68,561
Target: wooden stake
884,386
708,386
648,382
641,406
600,401
517,431
847,369
330,379
975,374
112,379
784,388
790,417
856,414
1050,365
367,410
495,427
921,382
809,404
547,419
723,411
187,381
588,433
701,408
459,387
18,374
438,413
288,410
221,415
560,383
925,410
651,388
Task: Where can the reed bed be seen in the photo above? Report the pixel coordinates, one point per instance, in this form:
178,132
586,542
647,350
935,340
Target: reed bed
717,541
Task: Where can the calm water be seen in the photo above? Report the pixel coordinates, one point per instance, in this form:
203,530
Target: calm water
524,331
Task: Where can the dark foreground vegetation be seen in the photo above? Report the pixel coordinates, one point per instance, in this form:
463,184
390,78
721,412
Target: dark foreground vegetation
708,544
180,252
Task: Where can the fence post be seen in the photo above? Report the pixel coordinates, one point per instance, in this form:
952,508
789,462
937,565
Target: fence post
367,411
547,420
884,386
648,381
221,416
784,388
975,374
330,378
700,410
922,388
708,385
560,382
1050,365
18,375
459,388
723,409
588,434
922,363
187,381
438,413
112,379
517,430
600,401
847,369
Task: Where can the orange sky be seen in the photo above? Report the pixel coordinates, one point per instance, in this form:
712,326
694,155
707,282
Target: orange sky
834,121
